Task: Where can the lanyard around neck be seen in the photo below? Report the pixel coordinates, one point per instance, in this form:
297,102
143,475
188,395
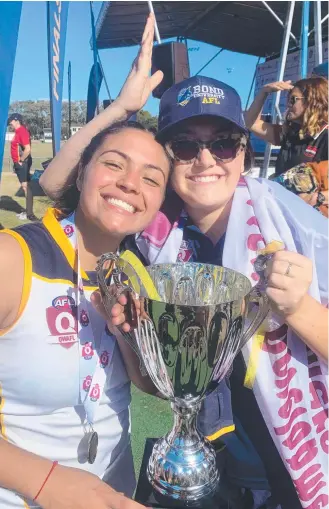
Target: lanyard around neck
95,361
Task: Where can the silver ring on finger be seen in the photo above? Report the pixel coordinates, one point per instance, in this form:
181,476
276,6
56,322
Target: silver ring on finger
288,269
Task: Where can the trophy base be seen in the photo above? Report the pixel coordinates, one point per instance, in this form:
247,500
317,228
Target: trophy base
149,497
183,471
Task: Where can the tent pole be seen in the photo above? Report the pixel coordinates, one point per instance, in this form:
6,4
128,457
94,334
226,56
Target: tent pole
252,83
93,34
304,38
318,32
278,20
104,77
156,29
281,69
322,21
209,61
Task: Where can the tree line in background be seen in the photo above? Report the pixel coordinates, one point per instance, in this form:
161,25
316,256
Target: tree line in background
37,116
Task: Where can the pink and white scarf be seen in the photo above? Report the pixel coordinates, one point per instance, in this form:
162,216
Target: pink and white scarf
291,386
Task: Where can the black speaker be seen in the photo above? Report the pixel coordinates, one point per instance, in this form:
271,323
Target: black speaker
107,102
172,59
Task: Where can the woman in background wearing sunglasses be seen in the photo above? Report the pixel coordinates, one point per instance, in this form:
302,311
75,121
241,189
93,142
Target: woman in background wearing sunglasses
304,135
214,215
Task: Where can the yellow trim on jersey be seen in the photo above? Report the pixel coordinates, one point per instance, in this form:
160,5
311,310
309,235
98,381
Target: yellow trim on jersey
2,426
54,228
27,277
221,432
62,282
26,506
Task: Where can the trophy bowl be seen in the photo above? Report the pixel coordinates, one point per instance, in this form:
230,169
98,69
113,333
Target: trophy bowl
193,320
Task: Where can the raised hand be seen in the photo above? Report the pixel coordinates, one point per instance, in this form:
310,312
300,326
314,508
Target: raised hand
278,86
139,84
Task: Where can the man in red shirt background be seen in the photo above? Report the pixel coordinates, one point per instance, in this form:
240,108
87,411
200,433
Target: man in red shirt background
22,160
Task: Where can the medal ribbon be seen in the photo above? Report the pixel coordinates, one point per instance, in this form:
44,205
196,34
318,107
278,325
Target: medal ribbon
94,362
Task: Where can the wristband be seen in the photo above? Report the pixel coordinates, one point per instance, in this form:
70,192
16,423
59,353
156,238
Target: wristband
55,463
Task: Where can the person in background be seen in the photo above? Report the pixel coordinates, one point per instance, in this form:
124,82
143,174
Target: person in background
304,135
22,160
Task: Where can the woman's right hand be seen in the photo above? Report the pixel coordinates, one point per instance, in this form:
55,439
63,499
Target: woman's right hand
139,84
277,86
71,488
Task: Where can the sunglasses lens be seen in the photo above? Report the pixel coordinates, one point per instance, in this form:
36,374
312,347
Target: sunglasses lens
224,149
185,150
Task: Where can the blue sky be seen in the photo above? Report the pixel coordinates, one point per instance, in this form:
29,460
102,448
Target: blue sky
30,79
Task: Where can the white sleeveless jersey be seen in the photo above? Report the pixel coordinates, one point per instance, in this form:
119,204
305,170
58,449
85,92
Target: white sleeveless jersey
39,369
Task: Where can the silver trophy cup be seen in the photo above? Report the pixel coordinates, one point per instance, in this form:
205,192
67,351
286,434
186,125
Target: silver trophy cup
187,338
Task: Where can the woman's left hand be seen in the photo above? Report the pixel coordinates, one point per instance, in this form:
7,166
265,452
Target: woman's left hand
289,278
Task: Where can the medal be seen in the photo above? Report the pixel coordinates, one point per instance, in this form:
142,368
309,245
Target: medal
92,438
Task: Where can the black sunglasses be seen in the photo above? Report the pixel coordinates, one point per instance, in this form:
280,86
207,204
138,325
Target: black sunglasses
293,99
222,149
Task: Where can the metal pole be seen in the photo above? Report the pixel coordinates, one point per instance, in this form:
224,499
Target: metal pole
157,34
69,94
252,83
281,68
304,38
322,21
318,32
93,33
105,81
274,14
209,61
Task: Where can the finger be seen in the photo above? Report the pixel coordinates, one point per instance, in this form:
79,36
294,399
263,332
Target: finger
156,79
126,327
147,26
281,267
123,299
117,310
276,296
290,257
119,320
278,281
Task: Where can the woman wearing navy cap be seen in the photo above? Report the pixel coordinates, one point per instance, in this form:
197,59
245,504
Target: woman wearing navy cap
278,454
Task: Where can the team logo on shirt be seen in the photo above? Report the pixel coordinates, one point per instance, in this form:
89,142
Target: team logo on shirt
95,393
87,383
87,351
185,252
61,320
104,359
84,320
68,230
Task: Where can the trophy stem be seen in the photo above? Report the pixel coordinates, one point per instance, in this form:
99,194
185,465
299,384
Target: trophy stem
183,464
184,432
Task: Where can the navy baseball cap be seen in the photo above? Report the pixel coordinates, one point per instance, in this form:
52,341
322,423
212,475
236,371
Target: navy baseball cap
198,96
15,116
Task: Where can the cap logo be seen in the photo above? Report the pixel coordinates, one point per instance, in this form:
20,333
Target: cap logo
184,96
209,95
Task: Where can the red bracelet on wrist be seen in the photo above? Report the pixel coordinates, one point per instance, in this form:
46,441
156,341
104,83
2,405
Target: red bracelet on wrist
55,463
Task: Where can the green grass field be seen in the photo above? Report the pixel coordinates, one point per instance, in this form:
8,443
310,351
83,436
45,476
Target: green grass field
150,416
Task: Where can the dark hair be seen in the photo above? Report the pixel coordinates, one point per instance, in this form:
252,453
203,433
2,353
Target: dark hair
69,199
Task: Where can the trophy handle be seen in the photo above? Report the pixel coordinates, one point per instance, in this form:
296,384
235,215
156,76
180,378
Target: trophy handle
256,295
110,298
